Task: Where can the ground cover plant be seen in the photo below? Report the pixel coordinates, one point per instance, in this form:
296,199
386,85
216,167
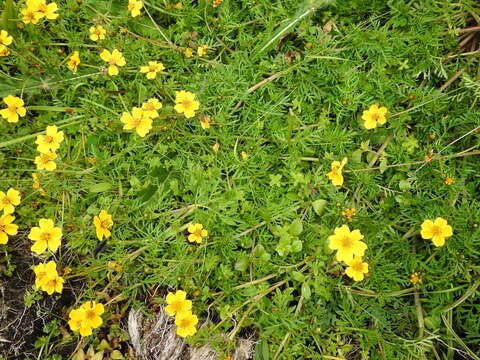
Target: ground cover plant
303,174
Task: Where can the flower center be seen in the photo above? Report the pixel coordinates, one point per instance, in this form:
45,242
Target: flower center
177,306
152,68
2,228
6,201
437,230
137,121
185,323
90,315
375,116
112,62
12,108
48,139
105,224
46,236
45,158
198,232
357,267
187,104
347,242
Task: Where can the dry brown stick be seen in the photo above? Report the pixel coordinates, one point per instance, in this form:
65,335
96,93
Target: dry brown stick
380,151
465,30
452,79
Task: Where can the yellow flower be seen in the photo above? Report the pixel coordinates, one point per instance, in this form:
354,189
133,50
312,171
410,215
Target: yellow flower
437,230
103,222
186,103
347,243
179,5
356,269
76,321
188,52
29,16
177,303
7,228
44,161
374,116
114,59
134,6
74,61
137,120
415,278
186,324
244,155
205,122
215,3
216,147
51,141
150,107
449,181
5,39
54,284
197,233
202,50
335,175
92,318
9,200
43,272
42,9
97,32
14,109
45,236
4,50
152,69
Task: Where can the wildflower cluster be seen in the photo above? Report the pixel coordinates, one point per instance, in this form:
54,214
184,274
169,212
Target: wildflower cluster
47,145
350,249
86,318
36,10
8,201
5,40
47,278
181,308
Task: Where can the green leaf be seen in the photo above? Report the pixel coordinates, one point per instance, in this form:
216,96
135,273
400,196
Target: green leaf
319,206
116,355
100,187
262,351
242,263
306,290
296,227
298,276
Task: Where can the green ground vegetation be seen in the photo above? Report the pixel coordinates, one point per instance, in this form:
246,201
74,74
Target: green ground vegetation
285,83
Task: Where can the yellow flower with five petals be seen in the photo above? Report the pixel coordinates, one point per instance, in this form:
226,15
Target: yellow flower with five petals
137,120
14,109
186,103
9,200
114,59
50,141
45,236
374,116
347,243
178,303
7,228
103,223
438,231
